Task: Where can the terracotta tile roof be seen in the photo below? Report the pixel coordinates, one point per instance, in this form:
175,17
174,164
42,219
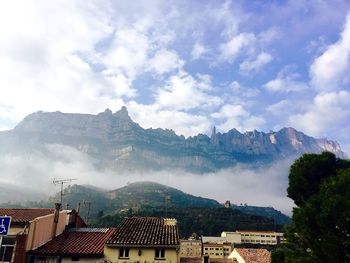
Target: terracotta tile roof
83,243
251,255
24,215
145,231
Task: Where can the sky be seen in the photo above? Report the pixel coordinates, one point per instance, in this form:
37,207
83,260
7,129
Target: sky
182,65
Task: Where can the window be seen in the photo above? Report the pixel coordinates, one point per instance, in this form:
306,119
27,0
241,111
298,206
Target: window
6,249
124,253
160,253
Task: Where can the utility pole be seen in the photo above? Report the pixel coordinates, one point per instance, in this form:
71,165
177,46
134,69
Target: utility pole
62,182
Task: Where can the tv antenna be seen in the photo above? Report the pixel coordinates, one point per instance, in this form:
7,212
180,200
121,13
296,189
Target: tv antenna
62,182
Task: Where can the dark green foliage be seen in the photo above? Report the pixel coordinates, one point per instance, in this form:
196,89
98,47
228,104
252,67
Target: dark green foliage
321,223
202,221
270,212
153,194
307,173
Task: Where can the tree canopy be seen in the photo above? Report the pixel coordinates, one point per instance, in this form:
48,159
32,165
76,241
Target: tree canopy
319,184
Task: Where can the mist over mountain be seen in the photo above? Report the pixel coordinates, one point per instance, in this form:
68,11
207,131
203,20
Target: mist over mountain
114,140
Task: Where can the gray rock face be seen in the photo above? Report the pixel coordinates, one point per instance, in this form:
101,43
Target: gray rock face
118,142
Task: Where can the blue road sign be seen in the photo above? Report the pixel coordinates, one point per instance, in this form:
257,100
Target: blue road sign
5,222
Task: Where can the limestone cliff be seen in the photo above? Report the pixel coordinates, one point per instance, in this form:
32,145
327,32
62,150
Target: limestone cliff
114,140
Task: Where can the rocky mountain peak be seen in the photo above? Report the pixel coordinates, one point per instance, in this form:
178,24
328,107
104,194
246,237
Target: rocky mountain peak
107,112
122,114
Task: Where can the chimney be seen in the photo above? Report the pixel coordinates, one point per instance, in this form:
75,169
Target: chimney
55,219
170,221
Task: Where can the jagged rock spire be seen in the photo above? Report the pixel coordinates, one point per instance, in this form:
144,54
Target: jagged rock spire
213,137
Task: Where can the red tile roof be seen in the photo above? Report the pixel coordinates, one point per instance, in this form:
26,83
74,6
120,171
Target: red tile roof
24,215
81,241
145,231
251,255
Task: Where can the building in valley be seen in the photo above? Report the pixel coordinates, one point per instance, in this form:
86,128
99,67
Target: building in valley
261,237
217,249
191,248
144,240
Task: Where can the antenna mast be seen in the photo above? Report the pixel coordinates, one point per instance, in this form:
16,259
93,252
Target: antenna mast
62,182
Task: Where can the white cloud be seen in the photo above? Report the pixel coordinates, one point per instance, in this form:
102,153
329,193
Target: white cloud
183,123
328,112
198,50
165,61
44,58
331,70
280,107
235,116
229,15
256,64
184,92
243,91
286,83
238,44
127,52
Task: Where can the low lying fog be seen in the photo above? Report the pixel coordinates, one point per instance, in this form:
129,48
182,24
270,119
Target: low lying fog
29,177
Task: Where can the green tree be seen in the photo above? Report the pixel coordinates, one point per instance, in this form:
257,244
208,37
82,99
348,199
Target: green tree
307,173
320,187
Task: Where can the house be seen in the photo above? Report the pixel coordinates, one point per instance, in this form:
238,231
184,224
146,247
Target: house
144,240
191,248
216,247
217,250
249,255
12,246
233,237
33,227
75,244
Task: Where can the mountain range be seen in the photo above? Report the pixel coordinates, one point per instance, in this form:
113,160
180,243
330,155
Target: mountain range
114,140
107,207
